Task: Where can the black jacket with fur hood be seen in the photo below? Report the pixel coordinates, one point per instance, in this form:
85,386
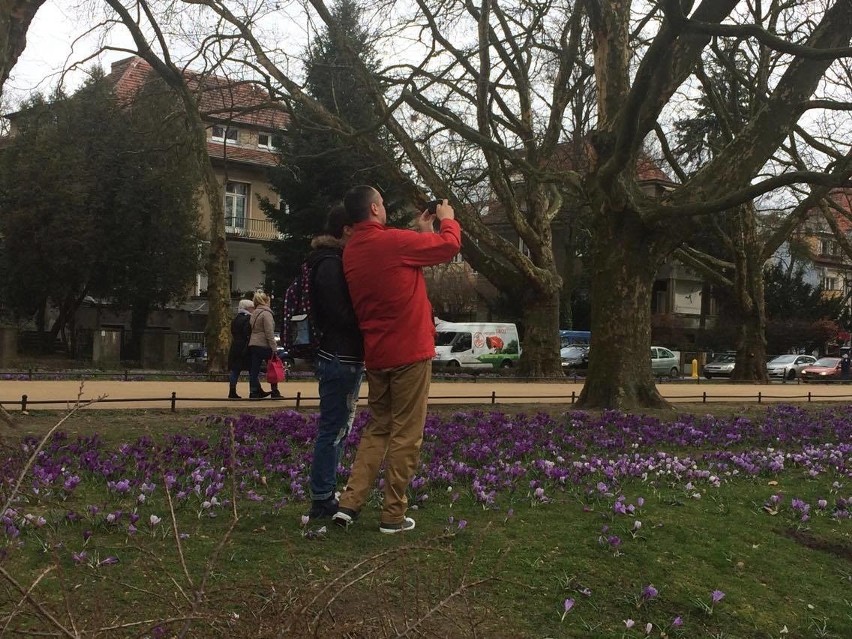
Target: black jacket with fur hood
331,305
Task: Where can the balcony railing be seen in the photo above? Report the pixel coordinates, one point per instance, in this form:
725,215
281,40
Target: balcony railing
250,229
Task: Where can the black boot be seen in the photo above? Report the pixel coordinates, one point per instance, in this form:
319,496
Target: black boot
232,394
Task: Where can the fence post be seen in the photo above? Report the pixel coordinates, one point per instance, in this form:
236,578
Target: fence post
23,403
298,398
759,395
174,401
809,397
30,371
125,374
573,396
493,397
704,397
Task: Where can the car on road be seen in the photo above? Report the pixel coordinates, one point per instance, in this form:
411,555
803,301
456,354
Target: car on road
196,359
574,357
788,366
721,365
664,362
825,369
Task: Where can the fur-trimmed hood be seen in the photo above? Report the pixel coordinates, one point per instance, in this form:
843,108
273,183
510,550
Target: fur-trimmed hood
327,241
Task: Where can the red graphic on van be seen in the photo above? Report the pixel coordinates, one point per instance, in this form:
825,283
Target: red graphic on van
494,342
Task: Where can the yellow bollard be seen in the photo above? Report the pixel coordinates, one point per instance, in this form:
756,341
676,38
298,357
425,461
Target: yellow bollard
694,369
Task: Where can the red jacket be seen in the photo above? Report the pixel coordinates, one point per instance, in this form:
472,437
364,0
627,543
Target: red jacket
384,271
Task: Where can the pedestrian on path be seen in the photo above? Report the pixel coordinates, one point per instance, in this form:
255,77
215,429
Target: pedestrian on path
238,355
261,345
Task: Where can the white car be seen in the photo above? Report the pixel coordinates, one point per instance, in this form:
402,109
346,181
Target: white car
720,366
664,362
788,366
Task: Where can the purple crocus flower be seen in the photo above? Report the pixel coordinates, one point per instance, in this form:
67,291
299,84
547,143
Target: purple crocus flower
649,592
677,622
569,603
716,596
108,561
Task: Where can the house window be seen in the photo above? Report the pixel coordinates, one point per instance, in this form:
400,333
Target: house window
829,247
829,283
267,141
236,203
523,248
222,133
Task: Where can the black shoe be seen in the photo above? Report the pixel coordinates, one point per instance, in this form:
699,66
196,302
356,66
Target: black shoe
322,508
344,517
262,394
233,395
275,395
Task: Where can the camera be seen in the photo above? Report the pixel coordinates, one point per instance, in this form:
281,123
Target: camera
432,206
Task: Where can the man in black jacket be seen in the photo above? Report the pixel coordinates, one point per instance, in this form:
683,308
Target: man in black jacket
340,359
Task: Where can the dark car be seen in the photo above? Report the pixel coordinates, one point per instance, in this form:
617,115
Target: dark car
574,356
196,359
825,369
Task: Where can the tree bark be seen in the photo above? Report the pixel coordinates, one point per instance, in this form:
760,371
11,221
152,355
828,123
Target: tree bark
138,322
15,19
540,355
748,291
217,331
626,256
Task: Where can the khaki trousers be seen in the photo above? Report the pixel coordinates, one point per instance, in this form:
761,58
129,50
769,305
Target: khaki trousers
397,400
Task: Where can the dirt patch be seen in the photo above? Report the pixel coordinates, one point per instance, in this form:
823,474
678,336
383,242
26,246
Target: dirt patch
806,539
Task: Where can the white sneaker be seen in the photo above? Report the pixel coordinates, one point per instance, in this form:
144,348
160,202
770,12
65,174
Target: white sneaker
392,529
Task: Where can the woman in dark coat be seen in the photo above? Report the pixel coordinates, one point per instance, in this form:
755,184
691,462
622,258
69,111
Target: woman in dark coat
238,356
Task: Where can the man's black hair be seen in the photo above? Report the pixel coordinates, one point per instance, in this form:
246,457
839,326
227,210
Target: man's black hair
336,221
357,202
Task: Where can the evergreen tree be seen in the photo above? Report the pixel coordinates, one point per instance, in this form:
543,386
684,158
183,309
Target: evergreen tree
96,199
318,165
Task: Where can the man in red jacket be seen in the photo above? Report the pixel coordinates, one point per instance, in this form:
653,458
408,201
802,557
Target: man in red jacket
384,271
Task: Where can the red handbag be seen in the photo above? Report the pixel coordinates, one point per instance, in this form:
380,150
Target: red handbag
275,370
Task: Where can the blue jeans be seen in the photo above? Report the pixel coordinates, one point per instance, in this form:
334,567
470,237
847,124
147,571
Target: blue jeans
339,385
259,354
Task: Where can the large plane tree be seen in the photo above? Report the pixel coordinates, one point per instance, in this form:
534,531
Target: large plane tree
500,77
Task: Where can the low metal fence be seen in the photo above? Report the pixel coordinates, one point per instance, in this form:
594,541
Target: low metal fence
299,400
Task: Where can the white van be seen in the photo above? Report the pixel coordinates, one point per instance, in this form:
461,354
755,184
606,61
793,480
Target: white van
476,345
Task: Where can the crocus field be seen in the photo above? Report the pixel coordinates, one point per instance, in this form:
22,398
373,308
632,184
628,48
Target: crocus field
528,525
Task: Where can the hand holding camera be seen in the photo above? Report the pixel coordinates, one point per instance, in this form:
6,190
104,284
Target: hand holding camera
441,209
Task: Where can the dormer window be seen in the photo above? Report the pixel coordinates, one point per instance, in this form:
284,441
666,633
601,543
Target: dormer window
267,141
221,133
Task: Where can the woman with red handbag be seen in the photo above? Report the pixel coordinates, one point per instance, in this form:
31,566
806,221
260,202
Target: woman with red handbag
261,345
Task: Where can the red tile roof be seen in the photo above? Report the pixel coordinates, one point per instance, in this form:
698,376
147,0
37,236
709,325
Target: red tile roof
234,153
843,199
569,156
220,99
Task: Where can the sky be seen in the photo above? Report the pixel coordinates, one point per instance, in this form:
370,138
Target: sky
49,48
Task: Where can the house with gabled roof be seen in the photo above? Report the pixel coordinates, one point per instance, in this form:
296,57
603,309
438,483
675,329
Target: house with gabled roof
831,267
241,126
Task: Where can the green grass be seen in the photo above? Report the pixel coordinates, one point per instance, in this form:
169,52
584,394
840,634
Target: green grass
776,571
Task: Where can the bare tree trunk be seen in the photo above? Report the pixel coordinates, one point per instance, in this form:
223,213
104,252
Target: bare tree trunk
217,331
626,257
748,291
540,355
15,19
